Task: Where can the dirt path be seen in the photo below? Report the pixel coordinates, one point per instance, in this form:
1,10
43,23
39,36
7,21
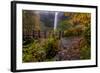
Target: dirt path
69,49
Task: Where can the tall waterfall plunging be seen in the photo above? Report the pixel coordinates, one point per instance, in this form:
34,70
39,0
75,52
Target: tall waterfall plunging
55,21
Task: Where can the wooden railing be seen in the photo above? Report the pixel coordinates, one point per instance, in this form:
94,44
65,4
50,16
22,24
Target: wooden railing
43,34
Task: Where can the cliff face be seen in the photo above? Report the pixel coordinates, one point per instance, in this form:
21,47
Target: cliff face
31,21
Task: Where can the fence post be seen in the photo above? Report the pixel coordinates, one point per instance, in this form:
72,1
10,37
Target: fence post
33,34
59,34
39,34
45,34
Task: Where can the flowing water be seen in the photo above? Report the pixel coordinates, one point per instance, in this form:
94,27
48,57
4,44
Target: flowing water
55,20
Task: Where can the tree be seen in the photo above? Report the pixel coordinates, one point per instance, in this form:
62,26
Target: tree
76,23
79,18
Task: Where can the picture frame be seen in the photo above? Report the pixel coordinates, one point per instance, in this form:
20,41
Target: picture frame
22,60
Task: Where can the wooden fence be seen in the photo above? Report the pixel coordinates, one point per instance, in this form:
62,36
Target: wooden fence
43,34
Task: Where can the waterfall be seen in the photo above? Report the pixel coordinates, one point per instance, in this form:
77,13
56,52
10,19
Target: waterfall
55,21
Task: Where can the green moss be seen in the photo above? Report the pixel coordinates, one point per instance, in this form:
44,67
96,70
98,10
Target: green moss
85,52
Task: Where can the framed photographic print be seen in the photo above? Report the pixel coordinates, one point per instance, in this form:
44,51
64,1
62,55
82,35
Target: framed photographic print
47,36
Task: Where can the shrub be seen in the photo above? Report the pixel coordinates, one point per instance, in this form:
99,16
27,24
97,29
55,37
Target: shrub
85,52
34,53
51,48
